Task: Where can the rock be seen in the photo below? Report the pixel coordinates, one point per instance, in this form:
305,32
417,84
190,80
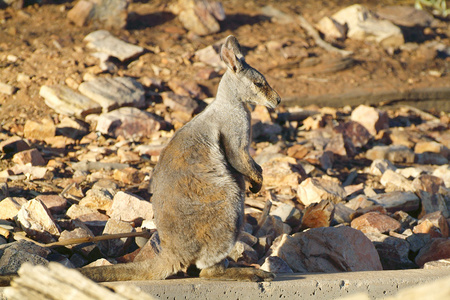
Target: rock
433,202
393,251
357,133
39,130
187,88
417,241
242,252
331,29
99,262
110,14
13,144
129,122
103,41
406,220
375,222
340,145
36,220
436,249
347,250
179,102
318,214
371,118
210,55
30,171
130,208
55,203
150,250
265,131
275,264
297,151
127,156
200,17
406,16
428,183
88,166
98,199
379,166
433,223
7,89
94,220
442,172
74,129
112,93
437,264
84,249
313,190
363,25
115,247
358,202
430,158
32,157
396,182
396,154
342,213
272,228
10,206
410,172
13,255
129,176
431,146
288,214
67,102
282,171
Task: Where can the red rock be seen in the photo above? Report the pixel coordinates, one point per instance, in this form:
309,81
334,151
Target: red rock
55,203
347,250
318,214
32,156
436,249
357,133
375,222
428,183
297,151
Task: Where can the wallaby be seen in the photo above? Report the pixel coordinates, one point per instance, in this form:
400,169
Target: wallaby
198,183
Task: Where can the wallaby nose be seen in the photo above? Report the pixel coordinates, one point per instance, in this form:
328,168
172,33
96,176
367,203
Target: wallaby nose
278,100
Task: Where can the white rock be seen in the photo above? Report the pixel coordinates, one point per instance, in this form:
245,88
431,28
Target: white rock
314,190
103,41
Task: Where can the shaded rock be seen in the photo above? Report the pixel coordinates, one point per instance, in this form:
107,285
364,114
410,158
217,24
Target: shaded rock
433,223
288,214
363,25
272,228
265,131
318,214
74,129
10,206
55,203
348,250
396,182
343,213
13,255
32,157
39,130
242,252
416,241
275,264
13,144
375,222
128,122
65,101
340,145
371,118
406,16
129,175
406,220
179,102
379,166
396,154
103,41
393,251
150,250
394,201
37,221
436,249
358,202
331,29
115,92
77,233
433,202
130,208
430,158
115,247
357,133
313,190
428,183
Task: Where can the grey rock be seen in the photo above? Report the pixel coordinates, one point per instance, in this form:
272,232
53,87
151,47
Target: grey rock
103,41
406,16
112,93
130,208
179,102
288,214
275,264
242,252
115,247
13,255
394,201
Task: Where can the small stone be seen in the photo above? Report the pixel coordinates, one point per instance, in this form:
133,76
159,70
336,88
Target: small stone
103,41
98,198
242,252
150,150
10,206
437,264
297,151
436,249
150,249
442,172
32,157
433,223
67,102
128,122
112,93
396,182
357,133
406,220
275,264
434,147
210,55
130,208
371,118
81,14
272,228
179,103
187,88
433,202
282,171
129,176
359,201
13,144
331,29
99,262
115,247
342,213
347,250
428,183
379,166
74,129
36,220
318,214
247,238
16,253
7,89
396,154
417,241
127,156
288,214
39,130
94,220
55,203
78,233
375,222
199,16
313,190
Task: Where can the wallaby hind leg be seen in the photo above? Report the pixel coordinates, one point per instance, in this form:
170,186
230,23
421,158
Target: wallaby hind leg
220,272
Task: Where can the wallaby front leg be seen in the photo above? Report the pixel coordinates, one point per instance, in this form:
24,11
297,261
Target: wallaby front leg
220,272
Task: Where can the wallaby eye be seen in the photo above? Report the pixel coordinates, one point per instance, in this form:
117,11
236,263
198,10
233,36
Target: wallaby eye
259,84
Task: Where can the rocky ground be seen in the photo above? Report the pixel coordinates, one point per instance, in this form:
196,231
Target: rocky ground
349,188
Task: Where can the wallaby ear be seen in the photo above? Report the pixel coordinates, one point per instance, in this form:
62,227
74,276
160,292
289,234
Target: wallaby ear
231,54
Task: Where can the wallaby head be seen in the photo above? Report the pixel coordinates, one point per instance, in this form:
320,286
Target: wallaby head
251,85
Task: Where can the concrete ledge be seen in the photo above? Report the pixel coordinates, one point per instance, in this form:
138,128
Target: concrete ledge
303,286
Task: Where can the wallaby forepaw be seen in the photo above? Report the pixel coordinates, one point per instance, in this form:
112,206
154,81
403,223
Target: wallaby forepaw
255,187
261,275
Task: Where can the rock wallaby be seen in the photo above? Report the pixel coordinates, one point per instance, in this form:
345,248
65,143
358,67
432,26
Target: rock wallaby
198,184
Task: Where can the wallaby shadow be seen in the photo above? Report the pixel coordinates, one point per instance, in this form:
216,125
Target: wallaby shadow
141,21
234,21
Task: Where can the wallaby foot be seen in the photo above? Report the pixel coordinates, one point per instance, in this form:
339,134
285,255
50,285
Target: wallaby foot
220,272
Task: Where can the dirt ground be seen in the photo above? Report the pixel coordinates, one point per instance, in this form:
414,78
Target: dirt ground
42,44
